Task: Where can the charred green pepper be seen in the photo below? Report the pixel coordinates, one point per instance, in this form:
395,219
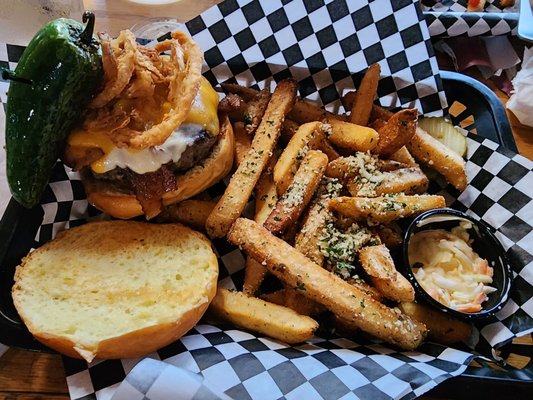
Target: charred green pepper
55,79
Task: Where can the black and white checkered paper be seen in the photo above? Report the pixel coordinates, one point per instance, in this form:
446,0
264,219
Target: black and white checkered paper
324,46
448,18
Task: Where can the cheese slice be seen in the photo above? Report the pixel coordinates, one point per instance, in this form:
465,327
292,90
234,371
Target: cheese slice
202,116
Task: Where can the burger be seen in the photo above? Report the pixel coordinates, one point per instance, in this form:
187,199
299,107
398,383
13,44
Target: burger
152,135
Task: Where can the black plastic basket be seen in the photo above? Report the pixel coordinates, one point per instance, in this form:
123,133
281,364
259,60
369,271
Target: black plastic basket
483,113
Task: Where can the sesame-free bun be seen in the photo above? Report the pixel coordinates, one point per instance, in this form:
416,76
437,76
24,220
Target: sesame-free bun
106,198
116,289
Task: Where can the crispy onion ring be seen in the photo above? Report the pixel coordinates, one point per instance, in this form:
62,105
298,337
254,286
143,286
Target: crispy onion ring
125,45
141,82
187,58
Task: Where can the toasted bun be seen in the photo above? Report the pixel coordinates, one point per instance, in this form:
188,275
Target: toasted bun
116,289
192,182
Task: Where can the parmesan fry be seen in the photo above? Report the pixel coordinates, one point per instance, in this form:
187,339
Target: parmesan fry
364,97
404,180
308,239
428,150
378,264
189,212
243,142
385,208
242,183
314,282
299,193
398,130
442,328
352,137
257,315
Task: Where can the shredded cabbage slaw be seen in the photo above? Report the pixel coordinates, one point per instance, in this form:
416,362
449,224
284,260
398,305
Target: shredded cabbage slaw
447,268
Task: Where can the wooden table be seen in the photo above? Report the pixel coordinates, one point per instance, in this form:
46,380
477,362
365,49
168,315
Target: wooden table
26,375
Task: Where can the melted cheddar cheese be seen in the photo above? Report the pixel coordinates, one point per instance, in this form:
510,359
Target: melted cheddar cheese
202,116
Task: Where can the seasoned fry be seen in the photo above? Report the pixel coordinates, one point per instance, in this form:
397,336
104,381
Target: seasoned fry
243,142
257,315
364,97
288,130
428,150
309,136
188,212
385,208
299,193
366,288
398,130
308,240
378,264
243,181
404,180
352,137
316,283
266,198
442,328
255,109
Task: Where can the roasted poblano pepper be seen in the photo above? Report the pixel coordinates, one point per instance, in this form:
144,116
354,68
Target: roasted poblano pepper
55,78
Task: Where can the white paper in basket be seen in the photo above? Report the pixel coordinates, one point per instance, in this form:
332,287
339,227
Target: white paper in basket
521,101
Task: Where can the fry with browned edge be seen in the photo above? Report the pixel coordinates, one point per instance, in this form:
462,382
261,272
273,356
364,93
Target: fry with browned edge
385,208
243,181
293,268
364,97
442,328
378,264
299,193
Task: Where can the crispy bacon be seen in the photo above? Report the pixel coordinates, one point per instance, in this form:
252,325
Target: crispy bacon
150,187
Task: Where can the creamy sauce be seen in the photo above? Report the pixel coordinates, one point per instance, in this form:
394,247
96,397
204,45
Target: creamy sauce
152,158
449,270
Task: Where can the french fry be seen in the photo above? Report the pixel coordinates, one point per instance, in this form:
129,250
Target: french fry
390,235
243,142
378,264
404,180
364,97
295,301
257,315
288,130
189,212
366,288
403,156
244,92
308,239
305,111
243,181
299,193
380,113
442,328
255,109
266,198
398,130
385,208
314,282
309,136
352,137
428,150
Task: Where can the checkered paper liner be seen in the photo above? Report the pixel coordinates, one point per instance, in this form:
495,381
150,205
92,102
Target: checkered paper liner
243,365
255,42
448,18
